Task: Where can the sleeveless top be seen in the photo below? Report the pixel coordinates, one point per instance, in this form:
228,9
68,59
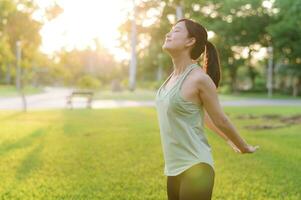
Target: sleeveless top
181,128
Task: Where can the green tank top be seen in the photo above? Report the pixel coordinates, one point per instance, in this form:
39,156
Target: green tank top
181,128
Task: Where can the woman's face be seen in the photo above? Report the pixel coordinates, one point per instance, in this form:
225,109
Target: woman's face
176,39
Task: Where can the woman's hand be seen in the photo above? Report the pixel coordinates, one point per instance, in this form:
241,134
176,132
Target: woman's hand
247,149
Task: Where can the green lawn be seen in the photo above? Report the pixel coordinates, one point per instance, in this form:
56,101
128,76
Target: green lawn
11,91
115,154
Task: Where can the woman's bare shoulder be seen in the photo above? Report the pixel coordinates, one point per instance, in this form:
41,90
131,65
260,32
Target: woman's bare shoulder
199,74
201,78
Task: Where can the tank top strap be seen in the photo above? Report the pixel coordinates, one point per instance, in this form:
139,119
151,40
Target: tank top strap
177,83
180,81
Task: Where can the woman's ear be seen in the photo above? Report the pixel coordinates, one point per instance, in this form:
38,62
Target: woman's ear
191,42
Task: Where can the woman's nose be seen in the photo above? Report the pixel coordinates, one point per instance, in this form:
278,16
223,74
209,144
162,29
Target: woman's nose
167,34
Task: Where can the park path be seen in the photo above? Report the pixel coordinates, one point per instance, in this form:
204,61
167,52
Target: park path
55,98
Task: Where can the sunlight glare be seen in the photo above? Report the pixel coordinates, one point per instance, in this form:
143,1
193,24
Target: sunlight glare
83,21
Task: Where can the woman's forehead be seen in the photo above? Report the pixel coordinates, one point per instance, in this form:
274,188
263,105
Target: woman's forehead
179,25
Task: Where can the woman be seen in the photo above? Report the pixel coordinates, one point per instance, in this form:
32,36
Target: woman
182,103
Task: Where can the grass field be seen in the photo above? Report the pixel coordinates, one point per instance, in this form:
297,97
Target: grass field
11,91
115,154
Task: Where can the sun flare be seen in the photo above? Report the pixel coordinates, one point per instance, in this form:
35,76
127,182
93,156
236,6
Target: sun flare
83,21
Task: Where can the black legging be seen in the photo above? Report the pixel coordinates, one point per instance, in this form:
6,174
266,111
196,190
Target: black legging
195,183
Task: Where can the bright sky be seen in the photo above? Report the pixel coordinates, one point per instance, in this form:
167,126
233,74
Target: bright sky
84,20
81,22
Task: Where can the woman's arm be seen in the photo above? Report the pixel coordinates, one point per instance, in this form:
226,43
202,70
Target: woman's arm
210,125
208,95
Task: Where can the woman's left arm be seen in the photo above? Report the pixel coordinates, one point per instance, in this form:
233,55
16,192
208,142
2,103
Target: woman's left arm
210,125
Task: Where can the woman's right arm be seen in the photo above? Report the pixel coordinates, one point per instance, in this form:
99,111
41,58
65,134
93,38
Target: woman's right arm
208,95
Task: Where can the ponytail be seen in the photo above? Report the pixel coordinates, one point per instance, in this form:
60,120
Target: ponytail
212,63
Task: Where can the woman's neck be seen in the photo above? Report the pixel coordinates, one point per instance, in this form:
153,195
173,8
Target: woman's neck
180,62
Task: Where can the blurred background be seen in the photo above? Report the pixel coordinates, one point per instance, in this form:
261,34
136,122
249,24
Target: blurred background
57,54
114,48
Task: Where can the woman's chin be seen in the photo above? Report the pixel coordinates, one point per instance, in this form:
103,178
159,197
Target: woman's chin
166,47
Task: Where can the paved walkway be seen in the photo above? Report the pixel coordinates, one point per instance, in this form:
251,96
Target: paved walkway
55,98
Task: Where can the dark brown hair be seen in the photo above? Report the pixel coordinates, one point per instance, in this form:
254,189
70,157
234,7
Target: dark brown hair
211,57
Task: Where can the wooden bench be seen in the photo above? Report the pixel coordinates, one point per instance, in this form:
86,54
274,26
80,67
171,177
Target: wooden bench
88,94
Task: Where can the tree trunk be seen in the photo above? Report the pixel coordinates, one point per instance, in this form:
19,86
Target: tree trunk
8,74
251,70
296,86
233,76
252,75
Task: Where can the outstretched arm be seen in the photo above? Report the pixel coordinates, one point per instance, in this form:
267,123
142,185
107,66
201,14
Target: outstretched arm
208,95
210,125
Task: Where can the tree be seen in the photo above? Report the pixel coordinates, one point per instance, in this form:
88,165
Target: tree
286,38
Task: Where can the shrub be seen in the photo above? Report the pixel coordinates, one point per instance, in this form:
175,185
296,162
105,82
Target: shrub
88,82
